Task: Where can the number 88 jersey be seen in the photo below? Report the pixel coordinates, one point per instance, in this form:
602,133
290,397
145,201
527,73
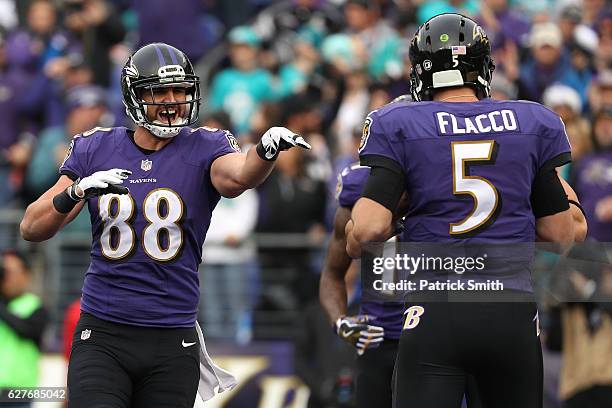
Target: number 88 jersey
146,245
468,167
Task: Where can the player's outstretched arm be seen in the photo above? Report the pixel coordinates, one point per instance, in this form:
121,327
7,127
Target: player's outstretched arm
62,202
332,287
234,173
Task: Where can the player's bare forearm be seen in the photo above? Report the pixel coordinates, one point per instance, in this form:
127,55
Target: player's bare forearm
371,222
255,170
234,173
557,229
41,220
332,288
580,223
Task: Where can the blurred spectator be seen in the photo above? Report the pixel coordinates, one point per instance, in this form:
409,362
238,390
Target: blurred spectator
546,64
428,9
582,50
591,10
535,10
502,88
8,14
503,24
228,257
565,101
301,114
240,89
218,120
284,23
87,108
593,179
600,91
187,27
378,44
292,202
267,115
15,142
22,322
345,56
604,31
41,41
569,18
44,99
97,25
582,331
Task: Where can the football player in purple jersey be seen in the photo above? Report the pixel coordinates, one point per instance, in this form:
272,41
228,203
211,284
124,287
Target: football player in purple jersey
476,171
150,195
375,332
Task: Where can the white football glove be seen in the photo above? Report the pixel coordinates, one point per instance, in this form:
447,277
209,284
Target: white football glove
99,183
277,139
356,331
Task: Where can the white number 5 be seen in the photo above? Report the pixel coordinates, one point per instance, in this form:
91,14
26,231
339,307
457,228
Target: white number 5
455,61
482,191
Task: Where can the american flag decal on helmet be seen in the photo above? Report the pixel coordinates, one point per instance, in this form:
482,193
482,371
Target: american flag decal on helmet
458,50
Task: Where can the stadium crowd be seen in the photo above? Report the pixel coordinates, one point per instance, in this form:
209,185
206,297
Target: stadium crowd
314,66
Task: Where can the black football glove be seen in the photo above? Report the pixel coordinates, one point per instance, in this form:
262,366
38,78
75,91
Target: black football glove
277,139
99,183
356,331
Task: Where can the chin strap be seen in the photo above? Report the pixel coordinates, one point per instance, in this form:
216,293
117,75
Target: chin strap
163,132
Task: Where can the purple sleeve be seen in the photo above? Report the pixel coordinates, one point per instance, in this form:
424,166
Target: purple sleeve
74,164
350,185
555,149
377,140
223,142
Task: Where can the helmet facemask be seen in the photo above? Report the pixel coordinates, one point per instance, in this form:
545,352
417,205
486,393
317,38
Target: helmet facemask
174,115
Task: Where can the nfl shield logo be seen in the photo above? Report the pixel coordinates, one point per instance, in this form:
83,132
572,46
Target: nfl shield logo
85,334
146,164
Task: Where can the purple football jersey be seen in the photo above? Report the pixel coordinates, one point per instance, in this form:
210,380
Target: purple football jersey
351,181
388,315
468,167
147,245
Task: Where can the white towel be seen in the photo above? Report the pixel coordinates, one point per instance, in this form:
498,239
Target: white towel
213,379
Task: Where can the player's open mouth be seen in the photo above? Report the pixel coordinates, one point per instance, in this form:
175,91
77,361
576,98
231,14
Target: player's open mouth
168,115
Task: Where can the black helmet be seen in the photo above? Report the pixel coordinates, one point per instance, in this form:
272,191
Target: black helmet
159,65
450,50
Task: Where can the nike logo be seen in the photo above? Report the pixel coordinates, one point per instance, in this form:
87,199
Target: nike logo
187,344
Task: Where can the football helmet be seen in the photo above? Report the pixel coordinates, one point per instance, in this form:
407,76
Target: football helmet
160,65
450,50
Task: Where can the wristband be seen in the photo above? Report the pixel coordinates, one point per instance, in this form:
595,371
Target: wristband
63,203
261,152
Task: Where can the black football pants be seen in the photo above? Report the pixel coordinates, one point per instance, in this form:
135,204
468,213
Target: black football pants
495,343
120,366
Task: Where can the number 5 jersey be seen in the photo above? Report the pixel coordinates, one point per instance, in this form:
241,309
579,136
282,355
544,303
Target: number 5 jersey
468,167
